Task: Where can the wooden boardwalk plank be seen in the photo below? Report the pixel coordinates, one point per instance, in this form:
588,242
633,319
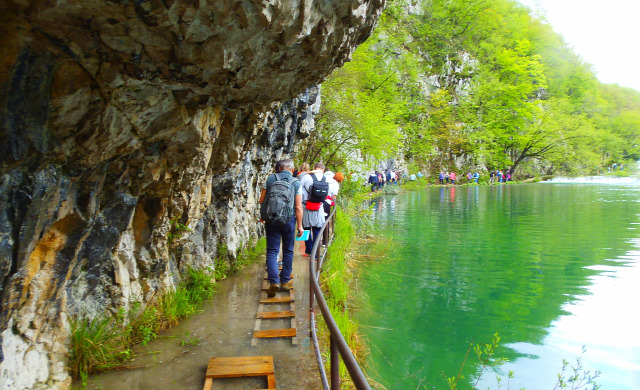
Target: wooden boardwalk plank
276,314
277,300
233,367
271,381
287,297
291,332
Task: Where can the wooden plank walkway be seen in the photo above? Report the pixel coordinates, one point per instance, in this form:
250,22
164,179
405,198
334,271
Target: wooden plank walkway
232,367
282,297
237,367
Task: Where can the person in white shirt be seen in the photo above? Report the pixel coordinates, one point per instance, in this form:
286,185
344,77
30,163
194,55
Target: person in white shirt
312,217
334,180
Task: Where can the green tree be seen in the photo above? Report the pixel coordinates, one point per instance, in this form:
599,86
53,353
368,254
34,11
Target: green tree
482,82
359,110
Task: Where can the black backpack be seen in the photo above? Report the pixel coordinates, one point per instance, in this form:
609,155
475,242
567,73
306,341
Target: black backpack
279,204
319,189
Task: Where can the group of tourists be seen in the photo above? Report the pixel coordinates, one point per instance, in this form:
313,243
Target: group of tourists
615,166
499,176
378,179
293,201
447,178
496,176
475,176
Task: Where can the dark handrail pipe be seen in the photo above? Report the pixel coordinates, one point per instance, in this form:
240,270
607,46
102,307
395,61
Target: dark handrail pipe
357,376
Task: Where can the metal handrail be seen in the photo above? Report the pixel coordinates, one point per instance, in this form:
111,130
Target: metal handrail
338,346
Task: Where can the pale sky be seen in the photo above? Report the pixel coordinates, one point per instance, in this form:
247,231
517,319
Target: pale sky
604,33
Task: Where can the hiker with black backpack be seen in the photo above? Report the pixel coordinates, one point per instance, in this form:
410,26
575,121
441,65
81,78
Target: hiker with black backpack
281,211
314,190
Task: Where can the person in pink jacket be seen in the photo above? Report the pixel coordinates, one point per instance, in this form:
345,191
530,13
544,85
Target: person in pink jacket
452,177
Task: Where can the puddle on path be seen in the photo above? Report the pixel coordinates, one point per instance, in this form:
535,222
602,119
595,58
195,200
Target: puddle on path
224,328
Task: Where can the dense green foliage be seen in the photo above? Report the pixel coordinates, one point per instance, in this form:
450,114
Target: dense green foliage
484,82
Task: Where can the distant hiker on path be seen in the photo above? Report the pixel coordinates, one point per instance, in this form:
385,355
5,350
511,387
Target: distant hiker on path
373,180
281,210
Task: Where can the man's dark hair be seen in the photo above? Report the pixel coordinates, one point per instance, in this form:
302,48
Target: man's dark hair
319,165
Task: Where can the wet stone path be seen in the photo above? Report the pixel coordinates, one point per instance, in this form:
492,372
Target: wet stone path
178,358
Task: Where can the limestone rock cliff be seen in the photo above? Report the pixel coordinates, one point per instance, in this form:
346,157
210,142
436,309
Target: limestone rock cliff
117,117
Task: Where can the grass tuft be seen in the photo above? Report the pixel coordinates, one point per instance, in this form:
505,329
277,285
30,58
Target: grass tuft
105,341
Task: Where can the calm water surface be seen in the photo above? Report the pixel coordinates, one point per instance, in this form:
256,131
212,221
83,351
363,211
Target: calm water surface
550,267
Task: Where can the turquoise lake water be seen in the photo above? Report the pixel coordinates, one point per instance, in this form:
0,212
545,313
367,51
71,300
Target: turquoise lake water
551,267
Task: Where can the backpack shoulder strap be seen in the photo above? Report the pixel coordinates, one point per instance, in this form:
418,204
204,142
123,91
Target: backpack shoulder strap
313,176
277,179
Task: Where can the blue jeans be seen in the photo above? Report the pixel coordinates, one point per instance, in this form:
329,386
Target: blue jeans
308,245
275,234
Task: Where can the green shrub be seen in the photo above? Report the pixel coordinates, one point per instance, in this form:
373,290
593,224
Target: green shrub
391,189
97,344
176,231
143,325
199,284
353,185
221,269
419,183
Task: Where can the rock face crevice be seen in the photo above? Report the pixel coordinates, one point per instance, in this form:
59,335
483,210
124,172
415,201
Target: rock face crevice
119,117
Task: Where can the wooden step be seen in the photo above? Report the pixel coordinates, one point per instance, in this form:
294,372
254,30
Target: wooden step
245,366
276,314
291,332
233,367
287,298
277,300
